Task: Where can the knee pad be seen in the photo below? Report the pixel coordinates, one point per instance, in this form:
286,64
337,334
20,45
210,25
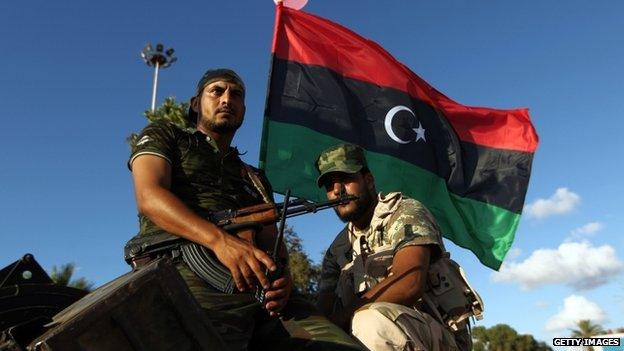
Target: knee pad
377,331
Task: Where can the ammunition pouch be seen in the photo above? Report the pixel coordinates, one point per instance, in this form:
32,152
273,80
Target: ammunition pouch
449,295
378,265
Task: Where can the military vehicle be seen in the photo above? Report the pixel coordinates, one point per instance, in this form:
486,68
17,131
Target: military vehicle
36,314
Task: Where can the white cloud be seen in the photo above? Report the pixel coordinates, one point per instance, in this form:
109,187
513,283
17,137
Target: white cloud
578,264
562,201
587,229
575,308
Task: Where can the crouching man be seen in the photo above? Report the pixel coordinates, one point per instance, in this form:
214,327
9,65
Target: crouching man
374,273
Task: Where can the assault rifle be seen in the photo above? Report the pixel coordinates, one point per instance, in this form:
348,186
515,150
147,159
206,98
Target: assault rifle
254,224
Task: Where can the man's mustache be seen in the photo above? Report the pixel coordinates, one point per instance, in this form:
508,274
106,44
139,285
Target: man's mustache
226,110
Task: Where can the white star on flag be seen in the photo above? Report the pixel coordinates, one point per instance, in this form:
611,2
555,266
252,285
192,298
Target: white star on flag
420,133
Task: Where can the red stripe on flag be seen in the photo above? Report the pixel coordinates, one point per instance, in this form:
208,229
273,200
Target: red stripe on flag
312,40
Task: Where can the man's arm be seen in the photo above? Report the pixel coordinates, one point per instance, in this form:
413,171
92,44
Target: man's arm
152,181
404,285
330,274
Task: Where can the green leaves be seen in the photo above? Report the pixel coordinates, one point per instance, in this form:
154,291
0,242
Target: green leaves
305,273
170,110
63,276
502,337
587,329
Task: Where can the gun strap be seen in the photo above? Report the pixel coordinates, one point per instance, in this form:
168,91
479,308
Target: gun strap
257,183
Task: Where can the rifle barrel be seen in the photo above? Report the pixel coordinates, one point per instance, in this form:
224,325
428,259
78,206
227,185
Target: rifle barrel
304,206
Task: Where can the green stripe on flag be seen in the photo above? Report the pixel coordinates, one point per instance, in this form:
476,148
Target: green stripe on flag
288,155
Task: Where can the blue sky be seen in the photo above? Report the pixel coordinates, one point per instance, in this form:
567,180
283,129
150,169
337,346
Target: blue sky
72,87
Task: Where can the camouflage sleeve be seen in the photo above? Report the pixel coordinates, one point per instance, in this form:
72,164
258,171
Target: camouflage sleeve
156,139
413,224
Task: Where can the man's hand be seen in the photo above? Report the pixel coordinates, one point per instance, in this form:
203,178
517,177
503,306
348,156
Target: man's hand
278,294
245,262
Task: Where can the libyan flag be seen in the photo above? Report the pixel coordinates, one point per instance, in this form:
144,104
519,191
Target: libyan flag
469,165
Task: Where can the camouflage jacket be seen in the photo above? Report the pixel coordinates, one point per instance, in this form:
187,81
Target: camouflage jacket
357,260
203,177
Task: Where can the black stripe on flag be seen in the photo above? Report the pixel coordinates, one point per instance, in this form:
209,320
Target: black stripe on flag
356,112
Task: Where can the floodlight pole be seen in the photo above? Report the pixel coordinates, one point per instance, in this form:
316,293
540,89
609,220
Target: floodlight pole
155,86
159,58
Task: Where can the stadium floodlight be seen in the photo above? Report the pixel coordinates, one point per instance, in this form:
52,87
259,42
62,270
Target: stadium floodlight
158,58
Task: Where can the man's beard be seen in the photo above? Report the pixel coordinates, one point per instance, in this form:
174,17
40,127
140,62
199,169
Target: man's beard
362,204
223,127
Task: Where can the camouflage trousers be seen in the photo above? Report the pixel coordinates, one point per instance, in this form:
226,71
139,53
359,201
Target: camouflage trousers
244,325
382,326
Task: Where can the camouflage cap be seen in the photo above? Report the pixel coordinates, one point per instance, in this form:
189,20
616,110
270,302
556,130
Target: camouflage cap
213,75
346,158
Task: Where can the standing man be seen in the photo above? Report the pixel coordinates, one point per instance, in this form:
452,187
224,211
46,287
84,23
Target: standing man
374,273
180,177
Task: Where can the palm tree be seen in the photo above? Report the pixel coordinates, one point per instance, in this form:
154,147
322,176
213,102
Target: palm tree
587,329
170,110
62,276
